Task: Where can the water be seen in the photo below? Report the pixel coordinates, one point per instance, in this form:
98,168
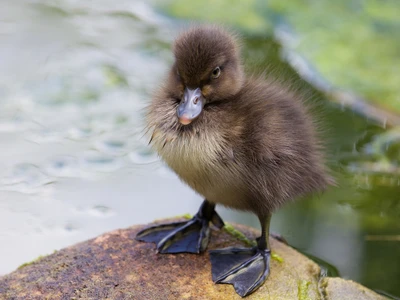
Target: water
74,78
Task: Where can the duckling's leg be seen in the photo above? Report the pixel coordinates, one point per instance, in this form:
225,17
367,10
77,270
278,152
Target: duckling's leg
191,236
245,268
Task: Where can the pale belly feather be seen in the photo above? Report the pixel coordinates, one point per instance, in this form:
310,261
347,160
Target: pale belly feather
202,163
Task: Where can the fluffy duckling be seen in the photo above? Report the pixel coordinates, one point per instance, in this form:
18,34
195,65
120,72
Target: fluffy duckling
245,143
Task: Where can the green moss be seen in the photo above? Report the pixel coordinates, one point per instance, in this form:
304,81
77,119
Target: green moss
186,216
31,262
239,235
277,257
303,286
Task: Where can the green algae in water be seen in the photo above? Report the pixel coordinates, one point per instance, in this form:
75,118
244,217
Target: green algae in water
114,76
333,38
244,14
121,119
330,40
50,10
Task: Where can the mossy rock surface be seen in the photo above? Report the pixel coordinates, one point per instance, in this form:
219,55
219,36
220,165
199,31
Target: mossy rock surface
115,266
339,288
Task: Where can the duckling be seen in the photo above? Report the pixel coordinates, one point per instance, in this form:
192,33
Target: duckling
246,143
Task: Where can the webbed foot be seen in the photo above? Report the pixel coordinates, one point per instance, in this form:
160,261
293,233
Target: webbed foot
191,236
245,268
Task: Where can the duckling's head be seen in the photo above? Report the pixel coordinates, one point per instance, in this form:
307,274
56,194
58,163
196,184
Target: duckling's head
207,69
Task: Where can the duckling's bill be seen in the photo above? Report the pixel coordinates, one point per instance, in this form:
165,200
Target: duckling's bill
190,106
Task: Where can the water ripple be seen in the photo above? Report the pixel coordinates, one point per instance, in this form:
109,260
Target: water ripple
25,178
63,166
142,156
112,147
101,211
94,161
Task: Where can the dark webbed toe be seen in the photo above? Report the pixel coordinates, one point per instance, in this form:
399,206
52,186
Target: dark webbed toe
191,236
245,268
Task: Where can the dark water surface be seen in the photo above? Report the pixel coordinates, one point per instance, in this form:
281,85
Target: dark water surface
74,76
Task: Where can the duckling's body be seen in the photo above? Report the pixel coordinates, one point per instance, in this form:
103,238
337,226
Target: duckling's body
252,152
248,144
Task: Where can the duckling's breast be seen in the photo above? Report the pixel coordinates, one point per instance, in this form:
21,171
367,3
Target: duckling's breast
205,163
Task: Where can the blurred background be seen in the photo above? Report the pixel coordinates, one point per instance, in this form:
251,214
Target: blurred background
76,75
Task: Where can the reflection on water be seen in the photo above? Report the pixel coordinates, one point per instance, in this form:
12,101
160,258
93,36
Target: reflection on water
74,163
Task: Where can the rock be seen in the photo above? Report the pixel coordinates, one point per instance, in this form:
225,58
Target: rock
115,266
340,289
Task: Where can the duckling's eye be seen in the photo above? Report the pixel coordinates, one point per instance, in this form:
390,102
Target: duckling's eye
216,72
